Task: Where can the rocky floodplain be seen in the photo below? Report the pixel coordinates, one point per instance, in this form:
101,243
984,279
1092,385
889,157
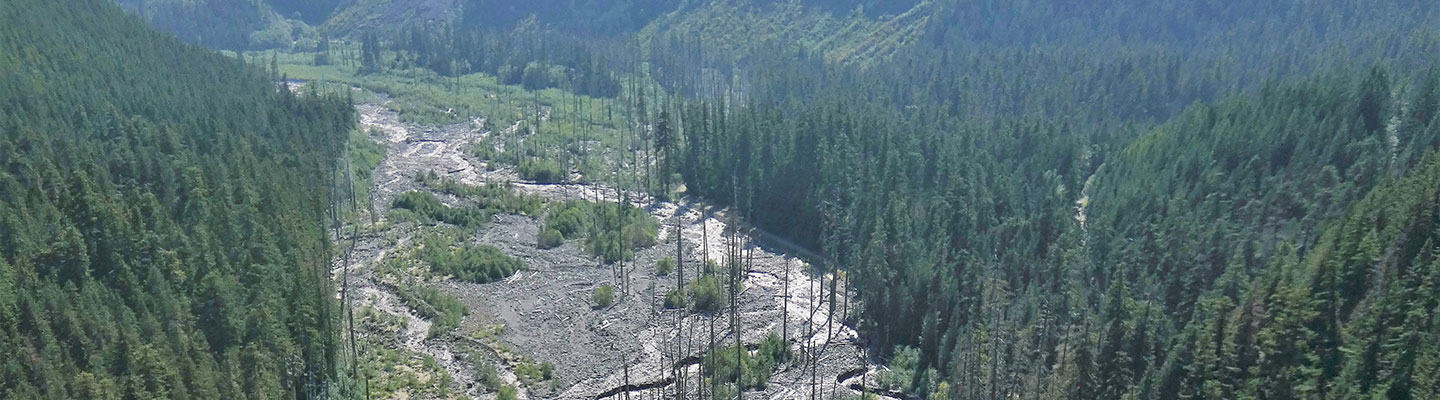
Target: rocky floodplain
544,313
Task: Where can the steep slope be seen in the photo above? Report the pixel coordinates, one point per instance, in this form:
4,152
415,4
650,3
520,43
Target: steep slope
1237,177
1354,317
843,31
228,24
585,17
1276,226
161,213
963,243
354,18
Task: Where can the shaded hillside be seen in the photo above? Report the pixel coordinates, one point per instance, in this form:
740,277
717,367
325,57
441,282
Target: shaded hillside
223,24
355,18
588,17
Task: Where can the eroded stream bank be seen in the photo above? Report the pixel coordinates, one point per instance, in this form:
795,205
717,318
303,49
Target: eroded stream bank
544,312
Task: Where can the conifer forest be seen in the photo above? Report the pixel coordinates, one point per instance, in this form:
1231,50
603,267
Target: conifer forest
719,199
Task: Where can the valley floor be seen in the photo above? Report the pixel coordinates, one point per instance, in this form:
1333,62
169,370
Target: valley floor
544,313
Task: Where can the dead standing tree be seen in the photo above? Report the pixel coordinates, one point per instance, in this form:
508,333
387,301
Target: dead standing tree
732,260
679,251
680,346
785,308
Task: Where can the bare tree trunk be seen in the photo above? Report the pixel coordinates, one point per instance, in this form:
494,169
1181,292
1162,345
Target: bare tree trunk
679,253
373,217
735,309
704,237
845,294
690,347
345,275
815,376
814,306
714,383
785,309
677,372
835,295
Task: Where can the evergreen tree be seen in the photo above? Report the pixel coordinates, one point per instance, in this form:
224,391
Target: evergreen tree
115,197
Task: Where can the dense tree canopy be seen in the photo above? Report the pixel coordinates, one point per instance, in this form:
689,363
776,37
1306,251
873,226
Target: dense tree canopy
1032,199
1079,227
161,213
1273,222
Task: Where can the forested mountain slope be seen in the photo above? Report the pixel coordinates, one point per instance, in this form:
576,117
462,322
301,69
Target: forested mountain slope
843,31
1300,187
964,242
227,24
1036,199
160,215
847,28
1231,179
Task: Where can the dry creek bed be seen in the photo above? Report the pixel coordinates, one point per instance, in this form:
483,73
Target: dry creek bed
546,309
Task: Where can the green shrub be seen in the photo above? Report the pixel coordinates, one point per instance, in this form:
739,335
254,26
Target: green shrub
528,372
549,238
427,205
674,299
492,197
507,393
722,364
477,263
608,247
706,294
863,396
773,350
612,231
902,369
621,229
484,150
365,156
421,202
571,218
640,232
487,375
531,373
543,171
665,266
725,391
443,310
604,296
